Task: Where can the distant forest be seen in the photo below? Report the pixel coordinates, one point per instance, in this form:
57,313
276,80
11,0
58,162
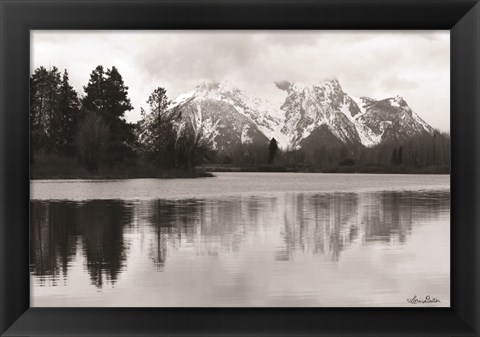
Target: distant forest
87,136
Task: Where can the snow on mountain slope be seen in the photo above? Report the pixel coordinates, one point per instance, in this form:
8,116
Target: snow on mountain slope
224,114
308,107
353,120
390,119
314,114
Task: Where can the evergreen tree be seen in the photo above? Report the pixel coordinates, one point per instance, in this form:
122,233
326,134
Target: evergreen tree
400,156
166,140
394,157
157,129
272,150
118,104
107,95
45,120
68,110
95,91
38,108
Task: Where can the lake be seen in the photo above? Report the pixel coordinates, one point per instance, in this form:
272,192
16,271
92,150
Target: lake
242,239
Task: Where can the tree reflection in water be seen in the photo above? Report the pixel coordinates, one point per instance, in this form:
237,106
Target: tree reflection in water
302,223
99,226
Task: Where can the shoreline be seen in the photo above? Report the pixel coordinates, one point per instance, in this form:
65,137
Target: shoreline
332,169
211,174
122,176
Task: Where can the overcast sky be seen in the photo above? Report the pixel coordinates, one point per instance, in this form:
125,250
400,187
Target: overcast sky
412,64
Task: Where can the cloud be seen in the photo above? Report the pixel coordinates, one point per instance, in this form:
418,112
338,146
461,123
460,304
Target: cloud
283,85
379,64
395,81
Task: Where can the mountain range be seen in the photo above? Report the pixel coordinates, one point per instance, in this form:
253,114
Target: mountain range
312,115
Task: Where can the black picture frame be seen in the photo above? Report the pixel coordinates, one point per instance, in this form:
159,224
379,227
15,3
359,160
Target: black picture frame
18,17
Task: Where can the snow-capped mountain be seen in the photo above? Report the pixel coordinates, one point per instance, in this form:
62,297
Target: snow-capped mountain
386,120
315,115
326,107
309,108
226,116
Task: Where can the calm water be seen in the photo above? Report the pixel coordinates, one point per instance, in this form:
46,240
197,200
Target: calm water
241,239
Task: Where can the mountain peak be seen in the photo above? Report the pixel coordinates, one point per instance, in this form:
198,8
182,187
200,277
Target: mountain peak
331,81
398,101
399,105
330,84
306,108
206,86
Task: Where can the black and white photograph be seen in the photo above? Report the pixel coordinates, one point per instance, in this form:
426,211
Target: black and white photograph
240,168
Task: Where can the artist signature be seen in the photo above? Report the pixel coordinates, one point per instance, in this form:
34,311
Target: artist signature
427,299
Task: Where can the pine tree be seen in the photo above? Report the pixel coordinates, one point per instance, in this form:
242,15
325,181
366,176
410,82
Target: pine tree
166,140
272,150
400,156
95,97
68,110
107,95
394,158
38,103
157,130
44,117
118,104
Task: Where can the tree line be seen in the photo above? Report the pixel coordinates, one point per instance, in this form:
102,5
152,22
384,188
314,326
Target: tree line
415,153
423,152
92,128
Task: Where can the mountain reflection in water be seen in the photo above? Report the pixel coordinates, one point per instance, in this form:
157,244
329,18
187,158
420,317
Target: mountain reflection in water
228,236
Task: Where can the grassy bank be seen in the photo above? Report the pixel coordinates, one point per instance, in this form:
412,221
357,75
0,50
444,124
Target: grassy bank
56,167
372,169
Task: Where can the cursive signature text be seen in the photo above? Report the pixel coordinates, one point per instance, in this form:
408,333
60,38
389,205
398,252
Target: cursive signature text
427,299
